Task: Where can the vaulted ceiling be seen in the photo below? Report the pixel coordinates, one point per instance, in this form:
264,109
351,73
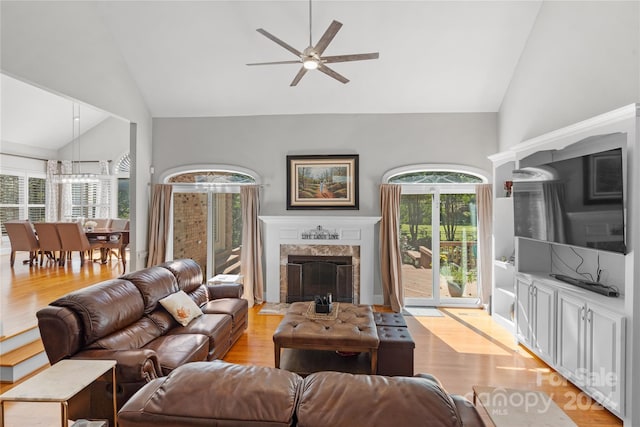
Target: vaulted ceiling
189,58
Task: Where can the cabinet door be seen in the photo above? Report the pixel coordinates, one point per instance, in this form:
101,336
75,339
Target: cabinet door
544,308
605,357
524,322
571,336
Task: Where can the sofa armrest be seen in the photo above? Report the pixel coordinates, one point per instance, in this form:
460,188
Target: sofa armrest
132,365
468,413
227,290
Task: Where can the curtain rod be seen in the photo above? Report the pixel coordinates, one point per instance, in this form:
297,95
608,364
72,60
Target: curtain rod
24,156
207,184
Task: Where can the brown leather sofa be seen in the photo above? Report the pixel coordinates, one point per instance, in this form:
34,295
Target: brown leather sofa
122,319
224,394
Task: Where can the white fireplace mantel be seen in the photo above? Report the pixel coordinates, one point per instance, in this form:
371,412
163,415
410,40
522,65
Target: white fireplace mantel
349,230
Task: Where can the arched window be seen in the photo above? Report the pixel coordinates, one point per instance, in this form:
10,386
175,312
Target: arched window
207,215
438,232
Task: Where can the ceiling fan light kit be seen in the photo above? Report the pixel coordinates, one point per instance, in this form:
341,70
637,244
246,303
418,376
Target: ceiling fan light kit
311,58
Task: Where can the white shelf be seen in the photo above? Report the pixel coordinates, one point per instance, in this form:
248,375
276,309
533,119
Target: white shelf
503,264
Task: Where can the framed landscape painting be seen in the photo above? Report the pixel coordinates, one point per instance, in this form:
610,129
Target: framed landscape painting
322,182
603,178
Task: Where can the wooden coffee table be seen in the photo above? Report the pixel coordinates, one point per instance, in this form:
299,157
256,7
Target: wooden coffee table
348,328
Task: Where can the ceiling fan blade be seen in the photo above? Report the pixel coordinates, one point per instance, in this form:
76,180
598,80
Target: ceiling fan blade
326,38
329,72
275,62
353,57
298,76
280,42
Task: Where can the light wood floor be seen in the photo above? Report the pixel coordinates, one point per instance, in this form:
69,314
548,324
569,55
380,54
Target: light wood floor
463,348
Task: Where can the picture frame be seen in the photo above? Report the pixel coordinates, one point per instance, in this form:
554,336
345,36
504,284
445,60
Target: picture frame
323,182
602,178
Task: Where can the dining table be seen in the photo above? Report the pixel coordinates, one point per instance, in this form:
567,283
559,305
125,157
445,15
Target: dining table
112,238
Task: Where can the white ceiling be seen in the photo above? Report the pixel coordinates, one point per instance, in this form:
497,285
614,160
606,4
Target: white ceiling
37,118
189,60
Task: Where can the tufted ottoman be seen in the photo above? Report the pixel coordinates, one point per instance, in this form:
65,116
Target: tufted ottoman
350,328
389,319
395,352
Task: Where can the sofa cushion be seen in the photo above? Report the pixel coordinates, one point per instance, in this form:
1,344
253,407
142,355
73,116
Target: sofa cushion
154,283
215,393
133,336
199,295
181,307
104,307
215,326
234,307
187,272
344,400
176,350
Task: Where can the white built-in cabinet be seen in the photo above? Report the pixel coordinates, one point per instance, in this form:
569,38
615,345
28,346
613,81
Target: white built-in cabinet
580,338
591,348
503,272
536,317
589,338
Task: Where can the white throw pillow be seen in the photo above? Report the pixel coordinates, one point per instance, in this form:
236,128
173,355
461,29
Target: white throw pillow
181,307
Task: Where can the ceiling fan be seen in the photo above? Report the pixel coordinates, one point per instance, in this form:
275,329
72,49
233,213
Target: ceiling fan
311,58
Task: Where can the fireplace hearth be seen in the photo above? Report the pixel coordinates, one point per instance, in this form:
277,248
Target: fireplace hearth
312,275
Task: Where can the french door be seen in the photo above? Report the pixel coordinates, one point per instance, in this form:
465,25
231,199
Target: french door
439,245
207,227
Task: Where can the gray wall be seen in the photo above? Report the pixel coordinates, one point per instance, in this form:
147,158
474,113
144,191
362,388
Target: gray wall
383,142
581,60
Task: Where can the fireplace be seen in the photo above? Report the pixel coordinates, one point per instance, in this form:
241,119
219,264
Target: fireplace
341,255
321,236
317,275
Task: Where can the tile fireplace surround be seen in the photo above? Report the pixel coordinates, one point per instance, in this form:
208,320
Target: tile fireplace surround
355,236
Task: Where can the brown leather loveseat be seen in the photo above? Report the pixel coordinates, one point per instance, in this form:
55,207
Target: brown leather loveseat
122,319
224,394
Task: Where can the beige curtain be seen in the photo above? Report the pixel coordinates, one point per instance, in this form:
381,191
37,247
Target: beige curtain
390,256
251,255
484,200
52,208
159,215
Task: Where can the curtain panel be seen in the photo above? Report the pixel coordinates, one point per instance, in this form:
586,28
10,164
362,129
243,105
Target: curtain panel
251,255
484,201
159,217
52,208
390,256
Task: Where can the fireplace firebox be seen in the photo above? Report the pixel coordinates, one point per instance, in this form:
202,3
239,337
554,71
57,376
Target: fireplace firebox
312,275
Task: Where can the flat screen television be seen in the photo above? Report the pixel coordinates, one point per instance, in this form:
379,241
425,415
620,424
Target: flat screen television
577,201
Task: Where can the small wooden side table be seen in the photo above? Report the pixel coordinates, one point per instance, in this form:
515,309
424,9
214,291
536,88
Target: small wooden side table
60,383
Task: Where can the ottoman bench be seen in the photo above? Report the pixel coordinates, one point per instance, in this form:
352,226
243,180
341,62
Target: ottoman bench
389,319
348,328
395,351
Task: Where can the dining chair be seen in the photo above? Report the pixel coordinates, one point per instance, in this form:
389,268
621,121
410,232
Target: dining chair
119,247
49,241
73,238
22,238
119,224
101,222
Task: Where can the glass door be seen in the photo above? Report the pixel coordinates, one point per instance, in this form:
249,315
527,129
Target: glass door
419,268
458,248
443,224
